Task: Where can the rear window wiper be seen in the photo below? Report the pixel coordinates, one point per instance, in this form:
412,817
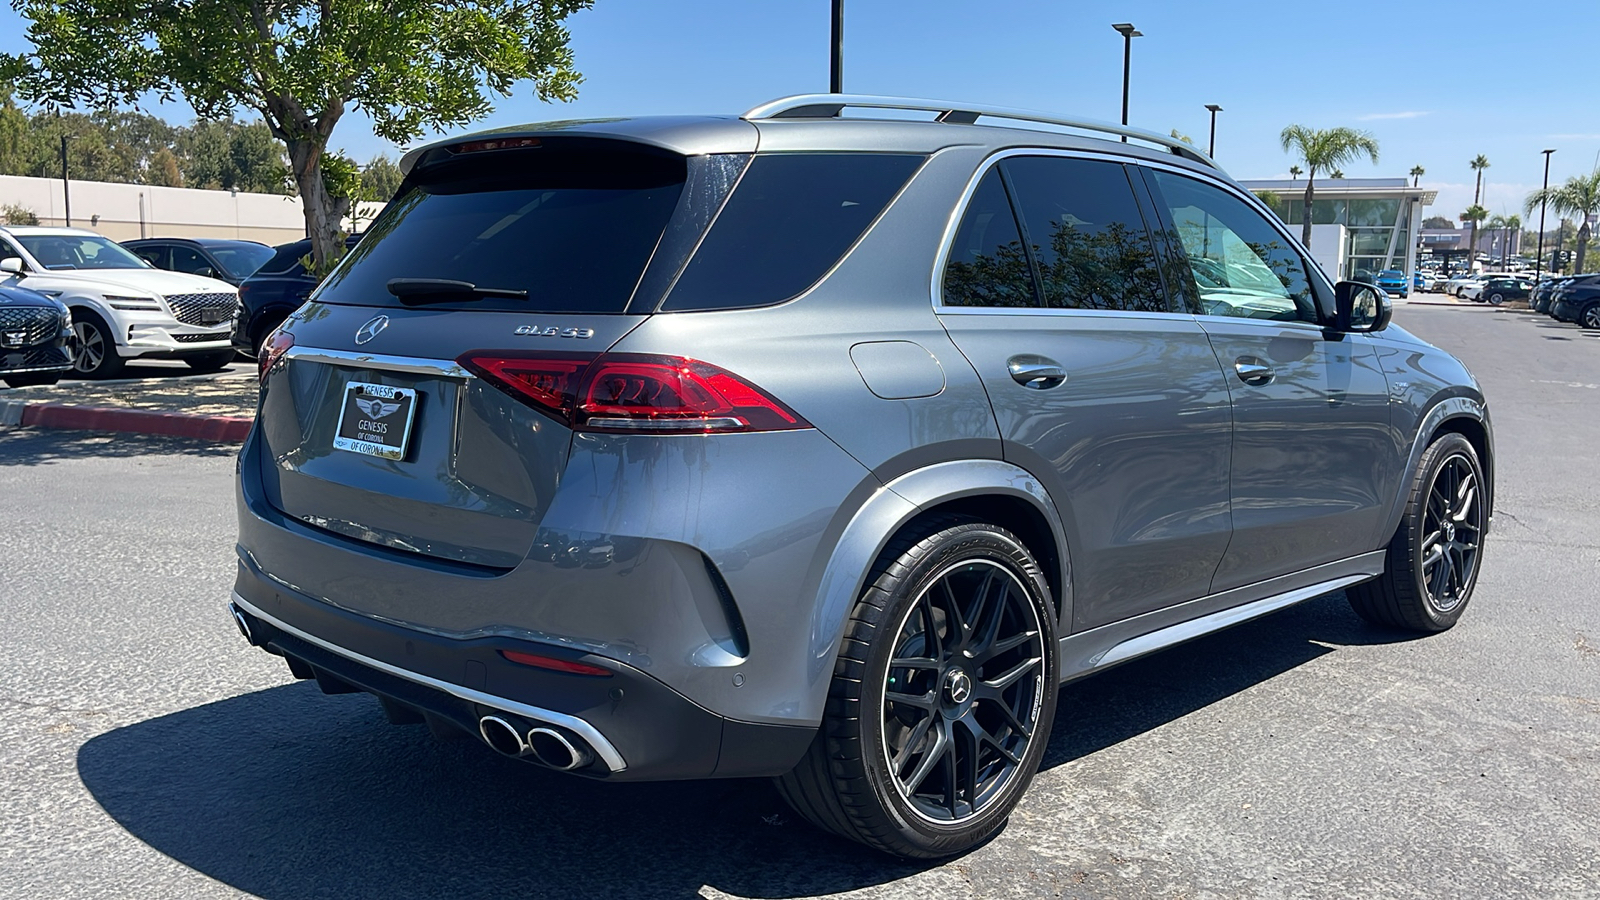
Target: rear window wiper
417,291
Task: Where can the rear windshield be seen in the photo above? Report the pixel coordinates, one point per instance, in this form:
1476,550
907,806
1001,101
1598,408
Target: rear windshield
790,219
573,226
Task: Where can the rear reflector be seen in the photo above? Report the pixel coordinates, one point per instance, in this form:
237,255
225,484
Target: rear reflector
554,665
631,392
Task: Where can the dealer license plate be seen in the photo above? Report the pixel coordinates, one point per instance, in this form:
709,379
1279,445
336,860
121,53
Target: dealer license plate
376,419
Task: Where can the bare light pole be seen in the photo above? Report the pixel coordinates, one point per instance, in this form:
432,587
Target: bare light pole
836,50
1128,33
1538,263
1211,148
66,186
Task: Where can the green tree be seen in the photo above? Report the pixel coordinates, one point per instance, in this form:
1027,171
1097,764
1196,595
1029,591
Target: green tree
1579,198
1416,174
1437,222
1295,172
380,178
232,156
1478,164
1473,216
1324,149
411,65
1182,137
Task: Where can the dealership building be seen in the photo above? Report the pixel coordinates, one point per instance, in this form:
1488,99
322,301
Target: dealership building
1360,226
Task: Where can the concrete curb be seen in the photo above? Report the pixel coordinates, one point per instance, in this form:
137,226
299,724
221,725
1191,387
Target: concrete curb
226,429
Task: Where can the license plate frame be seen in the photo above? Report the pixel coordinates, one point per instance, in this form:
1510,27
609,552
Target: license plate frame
367,416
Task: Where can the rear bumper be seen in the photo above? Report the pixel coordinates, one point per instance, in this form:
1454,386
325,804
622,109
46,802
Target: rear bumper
637,728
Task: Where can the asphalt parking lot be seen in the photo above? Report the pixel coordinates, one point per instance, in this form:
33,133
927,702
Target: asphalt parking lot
147,752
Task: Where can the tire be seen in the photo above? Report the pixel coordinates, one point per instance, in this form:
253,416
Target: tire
33,379
94,350
1417,591
927,583
1590,317
1496,298
210,362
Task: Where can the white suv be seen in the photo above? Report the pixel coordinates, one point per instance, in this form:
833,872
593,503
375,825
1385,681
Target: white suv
122,308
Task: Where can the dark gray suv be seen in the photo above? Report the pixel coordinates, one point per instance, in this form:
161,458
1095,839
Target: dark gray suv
820,446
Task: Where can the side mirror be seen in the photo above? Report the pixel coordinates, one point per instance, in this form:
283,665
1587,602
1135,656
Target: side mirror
1361,307
11,265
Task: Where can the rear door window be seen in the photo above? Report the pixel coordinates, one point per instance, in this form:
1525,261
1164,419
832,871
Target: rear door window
791,217
1087,234
988,265
574,227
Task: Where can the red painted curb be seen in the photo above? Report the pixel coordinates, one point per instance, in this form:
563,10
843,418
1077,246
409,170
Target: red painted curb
230,429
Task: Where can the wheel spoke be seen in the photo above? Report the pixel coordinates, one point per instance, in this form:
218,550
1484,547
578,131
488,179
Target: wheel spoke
993,696
1001,646
981,736
941,746
1433,555
964,780
928,701
914,742
913,662
1014,674
931,632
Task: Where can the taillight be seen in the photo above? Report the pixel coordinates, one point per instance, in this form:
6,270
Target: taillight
271,349
631,392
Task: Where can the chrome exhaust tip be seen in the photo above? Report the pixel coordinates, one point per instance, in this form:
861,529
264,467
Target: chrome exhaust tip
556,750
500,735
242,622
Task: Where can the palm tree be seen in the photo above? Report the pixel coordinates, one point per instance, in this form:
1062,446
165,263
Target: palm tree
1473,216
1416,174
1579,198
1324,149
1513,226
1182,137
1336,173
1478,164
1295,172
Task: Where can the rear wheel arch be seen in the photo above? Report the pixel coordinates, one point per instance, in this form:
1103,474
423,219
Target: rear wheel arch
1477,434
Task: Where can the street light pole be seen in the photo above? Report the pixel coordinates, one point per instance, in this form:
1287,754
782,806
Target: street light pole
1211,147
66,186
836,50
1128,33
1538,263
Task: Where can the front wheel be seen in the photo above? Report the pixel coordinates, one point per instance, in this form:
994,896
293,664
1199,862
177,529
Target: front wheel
1590,317
942,696
1496,298
1433,559
94,350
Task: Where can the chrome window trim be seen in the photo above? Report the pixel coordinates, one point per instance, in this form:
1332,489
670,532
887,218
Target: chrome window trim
602,747
953,224
411,364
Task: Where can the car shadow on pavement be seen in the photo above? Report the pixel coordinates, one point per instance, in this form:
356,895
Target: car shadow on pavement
286,793
38,446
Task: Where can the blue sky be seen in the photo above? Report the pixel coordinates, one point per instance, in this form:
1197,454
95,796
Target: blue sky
1404,71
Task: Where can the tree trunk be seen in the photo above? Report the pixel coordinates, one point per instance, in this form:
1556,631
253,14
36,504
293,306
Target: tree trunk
322,211
1305,217
1472,245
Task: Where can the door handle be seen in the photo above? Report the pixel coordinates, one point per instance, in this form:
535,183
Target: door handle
1253,371
1036,372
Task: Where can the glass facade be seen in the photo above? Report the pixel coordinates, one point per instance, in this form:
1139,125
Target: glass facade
1378,229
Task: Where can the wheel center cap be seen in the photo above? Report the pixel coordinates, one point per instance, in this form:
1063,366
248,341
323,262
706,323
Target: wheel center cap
957,686
1449,531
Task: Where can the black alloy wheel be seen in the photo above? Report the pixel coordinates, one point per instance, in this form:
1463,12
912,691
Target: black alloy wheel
1434,558
942,699
1590,317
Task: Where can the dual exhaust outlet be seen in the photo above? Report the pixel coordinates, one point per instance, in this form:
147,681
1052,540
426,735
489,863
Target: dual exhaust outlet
544,743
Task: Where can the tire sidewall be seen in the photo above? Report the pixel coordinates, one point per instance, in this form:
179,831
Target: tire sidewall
956,544
1434,459
109,362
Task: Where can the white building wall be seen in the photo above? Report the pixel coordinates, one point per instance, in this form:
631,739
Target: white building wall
1330,246
127,211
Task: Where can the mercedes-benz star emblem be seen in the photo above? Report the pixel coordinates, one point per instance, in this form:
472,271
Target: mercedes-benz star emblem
959,686
370,330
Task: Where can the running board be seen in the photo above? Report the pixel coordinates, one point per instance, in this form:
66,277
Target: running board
1118,642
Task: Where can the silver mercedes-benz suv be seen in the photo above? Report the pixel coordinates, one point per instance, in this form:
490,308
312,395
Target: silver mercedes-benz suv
821,446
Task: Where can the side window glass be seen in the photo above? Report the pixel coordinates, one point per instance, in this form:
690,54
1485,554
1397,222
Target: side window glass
187,260
155,256
987,265
1087,233
1242,265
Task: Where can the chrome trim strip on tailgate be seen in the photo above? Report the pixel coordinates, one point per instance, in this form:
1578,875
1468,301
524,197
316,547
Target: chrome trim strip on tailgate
445,368
602,747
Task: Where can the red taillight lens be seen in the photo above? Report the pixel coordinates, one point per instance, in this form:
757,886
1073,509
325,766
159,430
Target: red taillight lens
555,665
271,349
625,392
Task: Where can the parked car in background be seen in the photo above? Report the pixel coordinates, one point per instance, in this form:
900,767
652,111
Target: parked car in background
1578,300
225,260
645,449
1473,290
274,291
34,330
1421,281
1544,293
1456,282
1496,291
122,307
1394,282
